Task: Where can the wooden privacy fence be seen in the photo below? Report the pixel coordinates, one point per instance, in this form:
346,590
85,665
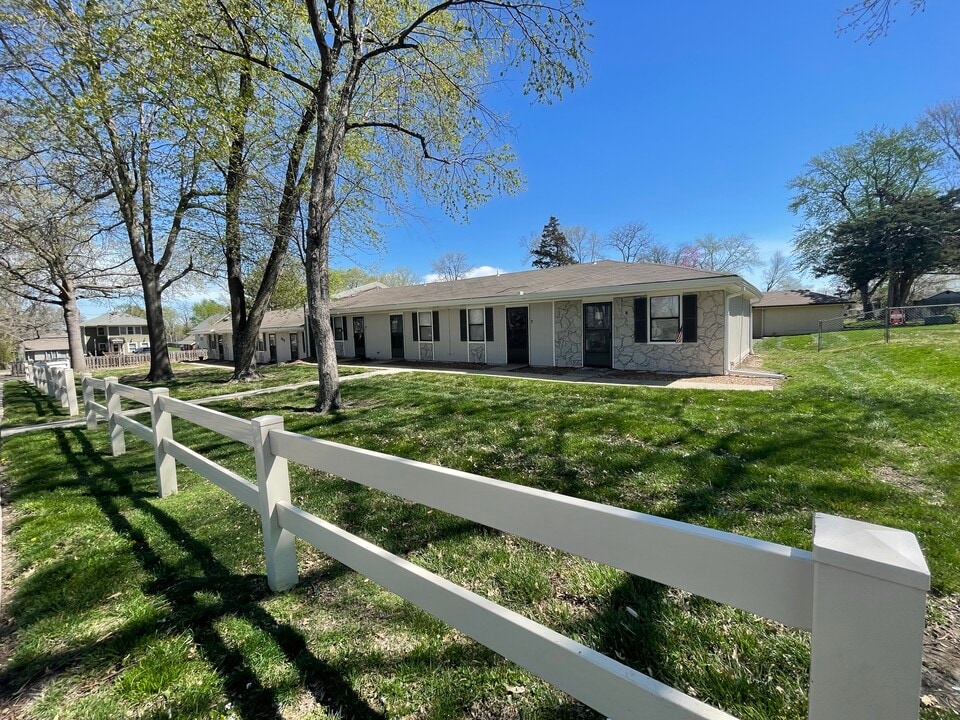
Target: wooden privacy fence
56,381
861,592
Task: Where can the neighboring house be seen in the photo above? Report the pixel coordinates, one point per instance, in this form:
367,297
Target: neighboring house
114,333
201,336
282,337
947,297
628,316
46,347
794,312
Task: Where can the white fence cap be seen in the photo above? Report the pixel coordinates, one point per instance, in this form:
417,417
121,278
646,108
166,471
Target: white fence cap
874,550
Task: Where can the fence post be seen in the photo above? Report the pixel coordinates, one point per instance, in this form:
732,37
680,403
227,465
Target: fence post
869,596
59,387
820,335
162,430
273,481
88,400
886,325
71,391
117,441
48,386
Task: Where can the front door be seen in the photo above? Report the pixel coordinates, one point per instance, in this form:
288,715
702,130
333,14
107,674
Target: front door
396,336
272,344
598,335
294,346
359,344
518,343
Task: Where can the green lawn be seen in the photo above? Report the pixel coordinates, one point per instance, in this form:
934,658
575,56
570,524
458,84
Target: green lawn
190,383
126,604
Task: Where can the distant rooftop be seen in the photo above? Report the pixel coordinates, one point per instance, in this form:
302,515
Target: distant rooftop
114,317
787,298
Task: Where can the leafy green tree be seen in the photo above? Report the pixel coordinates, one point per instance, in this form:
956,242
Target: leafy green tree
552,249
202,309
127,100
401,91
290,288
849,182
899,243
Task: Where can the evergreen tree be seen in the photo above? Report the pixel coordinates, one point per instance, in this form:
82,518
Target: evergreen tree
553,249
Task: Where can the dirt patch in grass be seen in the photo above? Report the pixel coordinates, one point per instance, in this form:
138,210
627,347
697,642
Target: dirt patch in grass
941,654
893,476
531,370
615,375
439,365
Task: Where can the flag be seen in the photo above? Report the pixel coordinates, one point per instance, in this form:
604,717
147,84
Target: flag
679,335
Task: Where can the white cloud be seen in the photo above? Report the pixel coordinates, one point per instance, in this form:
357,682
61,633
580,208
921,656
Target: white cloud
479,271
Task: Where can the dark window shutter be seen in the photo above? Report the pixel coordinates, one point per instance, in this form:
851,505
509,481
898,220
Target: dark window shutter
463,326
416,328
436,325
689,318
488,316
640,319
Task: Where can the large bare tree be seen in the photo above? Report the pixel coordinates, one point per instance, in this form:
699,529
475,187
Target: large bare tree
451,266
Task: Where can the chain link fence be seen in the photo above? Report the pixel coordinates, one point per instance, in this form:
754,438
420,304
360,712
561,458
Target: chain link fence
882,323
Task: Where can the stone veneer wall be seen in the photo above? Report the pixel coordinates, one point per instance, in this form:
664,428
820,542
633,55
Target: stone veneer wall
426,351
704,356
568,322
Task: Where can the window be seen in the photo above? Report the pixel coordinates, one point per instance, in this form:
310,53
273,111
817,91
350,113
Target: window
261,344
425,320
664,318
101,332
475,324
131,330
102,347
339,325
143,329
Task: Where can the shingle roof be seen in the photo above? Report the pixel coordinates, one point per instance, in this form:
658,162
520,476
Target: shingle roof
114,318
272,319
787,298
48,342
572,279
207,324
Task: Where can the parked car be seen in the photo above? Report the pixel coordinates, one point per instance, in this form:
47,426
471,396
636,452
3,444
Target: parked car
144,348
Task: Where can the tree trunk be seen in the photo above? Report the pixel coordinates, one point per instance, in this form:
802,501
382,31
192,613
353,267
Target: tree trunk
864,291
159,357
318,313
71,316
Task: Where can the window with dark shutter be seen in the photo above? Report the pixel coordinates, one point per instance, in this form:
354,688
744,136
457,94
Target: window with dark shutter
689,318
416,334
640,319
489,317
436,326
463,326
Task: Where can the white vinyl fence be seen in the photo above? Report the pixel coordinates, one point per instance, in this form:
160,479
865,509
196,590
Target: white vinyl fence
861,592
55,380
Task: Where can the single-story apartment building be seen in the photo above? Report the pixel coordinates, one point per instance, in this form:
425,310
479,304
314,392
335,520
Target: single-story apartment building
200,337
282,337
45,347
607,314
947,297
794,312
114,333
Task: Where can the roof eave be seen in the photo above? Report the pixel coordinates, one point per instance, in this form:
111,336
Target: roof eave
730,283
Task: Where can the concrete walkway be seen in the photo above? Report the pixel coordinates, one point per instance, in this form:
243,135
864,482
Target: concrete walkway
80,422
589,376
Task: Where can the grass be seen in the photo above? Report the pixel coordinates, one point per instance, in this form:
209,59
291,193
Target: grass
126,604
191,382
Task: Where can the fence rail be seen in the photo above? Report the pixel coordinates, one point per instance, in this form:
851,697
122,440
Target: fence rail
889,320
106,362
861,592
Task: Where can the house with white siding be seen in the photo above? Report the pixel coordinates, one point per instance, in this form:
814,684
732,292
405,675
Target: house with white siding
607,314
794,312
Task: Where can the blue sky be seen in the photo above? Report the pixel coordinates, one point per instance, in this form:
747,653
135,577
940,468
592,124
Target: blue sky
696,116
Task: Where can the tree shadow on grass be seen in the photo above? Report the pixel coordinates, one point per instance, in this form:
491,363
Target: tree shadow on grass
235,595
21,398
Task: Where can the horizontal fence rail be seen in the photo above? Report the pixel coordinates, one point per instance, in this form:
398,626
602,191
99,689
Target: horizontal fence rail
861,592
767,579
106,362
